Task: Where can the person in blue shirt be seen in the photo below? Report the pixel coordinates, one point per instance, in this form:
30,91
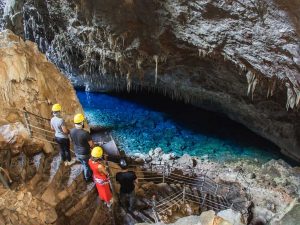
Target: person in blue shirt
57,124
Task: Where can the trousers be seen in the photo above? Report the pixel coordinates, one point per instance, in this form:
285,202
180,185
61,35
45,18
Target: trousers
84,160
64,148
128,197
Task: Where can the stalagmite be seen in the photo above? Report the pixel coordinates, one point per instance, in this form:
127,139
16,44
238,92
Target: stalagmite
291,97
155,57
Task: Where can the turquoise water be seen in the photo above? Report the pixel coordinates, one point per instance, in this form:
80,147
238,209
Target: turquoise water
140,123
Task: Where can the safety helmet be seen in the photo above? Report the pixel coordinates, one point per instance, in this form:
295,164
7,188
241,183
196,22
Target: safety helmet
97,152
56,108
78,118
123,164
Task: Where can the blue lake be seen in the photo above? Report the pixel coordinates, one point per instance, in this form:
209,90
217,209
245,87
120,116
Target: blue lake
140,123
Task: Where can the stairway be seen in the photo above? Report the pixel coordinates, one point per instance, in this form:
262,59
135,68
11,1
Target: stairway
77,202
63,187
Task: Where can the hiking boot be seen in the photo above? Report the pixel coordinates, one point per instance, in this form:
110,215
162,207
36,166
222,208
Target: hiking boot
73,160
109,204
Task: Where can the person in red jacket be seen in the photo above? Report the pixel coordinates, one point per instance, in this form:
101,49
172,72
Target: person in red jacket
100,175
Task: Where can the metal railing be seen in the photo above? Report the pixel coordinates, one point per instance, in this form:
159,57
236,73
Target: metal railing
197,177
39,127
210,194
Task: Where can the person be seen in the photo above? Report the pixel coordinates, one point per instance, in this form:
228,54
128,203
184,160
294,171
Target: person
127,180
57,124
100,175
82,144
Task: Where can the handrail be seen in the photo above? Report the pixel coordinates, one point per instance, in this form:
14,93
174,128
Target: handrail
50,132
170,196
208,185
35,115
165,202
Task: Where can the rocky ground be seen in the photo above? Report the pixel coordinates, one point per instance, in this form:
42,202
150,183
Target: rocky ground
18,207
274,187
227,217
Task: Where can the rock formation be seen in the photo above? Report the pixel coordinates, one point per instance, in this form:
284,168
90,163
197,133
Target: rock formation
273,187
44,191
22,208
240,58
28,80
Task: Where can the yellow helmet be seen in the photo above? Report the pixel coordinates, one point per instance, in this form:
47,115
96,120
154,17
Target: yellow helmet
56,108
97,152
78,118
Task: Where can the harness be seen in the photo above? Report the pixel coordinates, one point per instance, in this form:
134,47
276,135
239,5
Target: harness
101,181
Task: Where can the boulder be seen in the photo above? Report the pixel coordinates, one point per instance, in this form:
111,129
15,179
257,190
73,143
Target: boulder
289,216
16,137
158,152
186,161
262,214
167,157
207,218
231,216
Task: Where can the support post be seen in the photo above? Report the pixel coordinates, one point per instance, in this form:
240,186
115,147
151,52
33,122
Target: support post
154,209
203,201
183,193
216,189
227,193
164,173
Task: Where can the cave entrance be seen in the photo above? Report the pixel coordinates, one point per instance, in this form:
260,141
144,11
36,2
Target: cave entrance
141,121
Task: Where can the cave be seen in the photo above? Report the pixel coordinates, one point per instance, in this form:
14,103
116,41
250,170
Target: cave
195,93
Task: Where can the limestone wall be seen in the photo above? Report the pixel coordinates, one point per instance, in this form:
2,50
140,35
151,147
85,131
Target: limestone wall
28,79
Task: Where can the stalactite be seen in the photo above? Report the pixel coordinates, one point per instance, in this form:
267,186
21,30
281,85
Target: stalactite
291,97
139,62
297,92
128,80
252,82
242,68
110,41
202,52
155,57
118,57
271,87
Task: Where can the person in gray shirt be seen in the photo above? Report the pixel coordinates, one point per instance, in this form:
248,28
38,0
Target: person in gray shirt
61,134
83,144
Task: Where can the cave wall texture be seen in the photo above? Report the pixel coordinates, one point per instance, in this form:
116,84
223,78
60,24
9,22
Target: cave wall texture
237,57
